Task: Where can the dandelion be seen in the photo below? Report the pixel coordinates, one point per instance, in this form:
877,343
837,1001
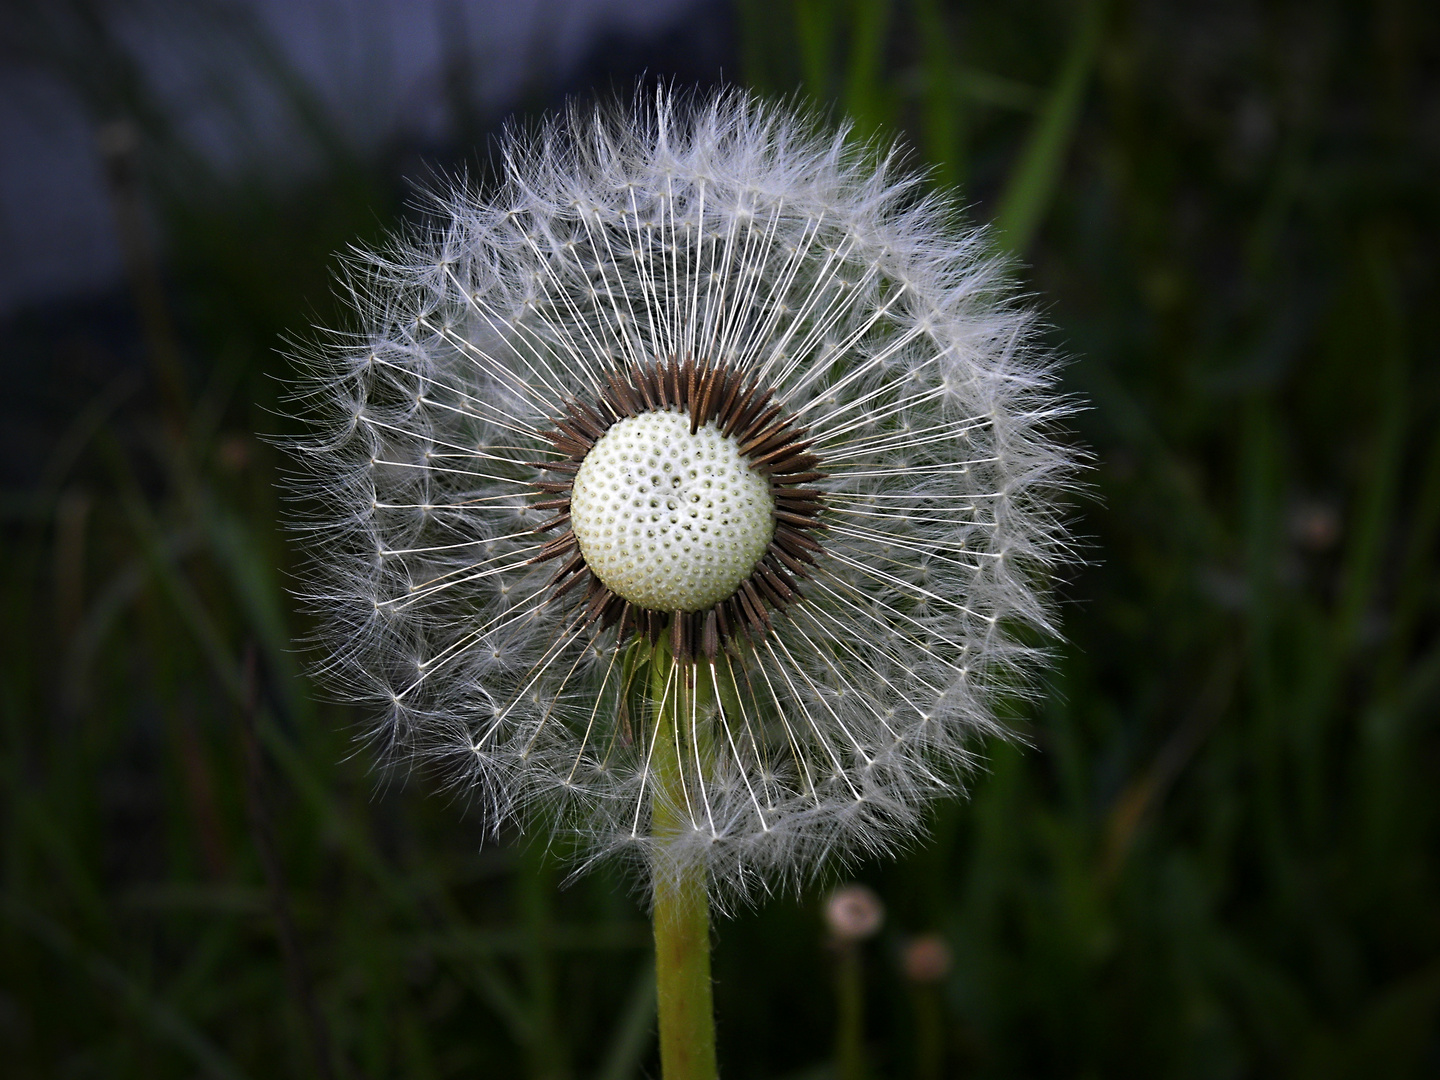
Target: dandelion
687,494
926,961
853,915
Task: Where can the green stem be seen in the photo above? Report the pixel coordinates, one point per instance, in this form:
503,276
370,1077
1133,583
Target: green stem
850,1025
682,980
682,908
929,1033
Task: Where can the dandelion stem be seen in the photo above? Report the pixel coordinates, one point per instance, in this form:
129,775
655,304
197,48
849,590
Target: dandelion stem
682,910
929,1032
682,973
850,1002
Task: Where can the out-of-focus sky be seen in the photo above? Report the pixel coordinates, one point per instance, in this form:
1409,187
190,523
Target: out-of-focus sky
377,69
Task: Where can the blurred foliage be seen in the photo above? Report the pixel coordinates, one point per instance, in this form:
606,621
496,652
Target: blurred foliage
1218,856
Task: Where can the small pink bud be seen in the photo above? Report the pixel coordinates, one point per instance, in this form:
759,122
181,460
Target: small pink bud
926,959
854,913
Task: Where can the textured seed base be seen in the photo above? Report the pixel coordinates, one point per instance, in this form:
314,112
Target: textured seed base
669,520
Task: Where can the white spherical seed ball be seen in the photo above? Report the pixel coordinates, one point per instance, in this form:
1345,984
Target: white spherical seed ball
796,261
669,520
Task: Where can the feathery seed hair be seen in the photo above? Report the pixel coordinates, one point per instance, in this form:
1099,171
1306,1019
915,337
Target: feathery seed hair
701,381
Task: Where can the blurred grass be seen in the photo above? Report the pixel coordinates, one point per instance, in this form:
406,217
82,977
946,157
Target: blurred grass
1218,859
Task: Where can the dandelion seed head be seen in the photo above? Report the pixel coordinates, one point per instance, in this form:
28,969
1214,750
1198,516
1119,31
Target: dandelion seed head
854,913
926,959
703,381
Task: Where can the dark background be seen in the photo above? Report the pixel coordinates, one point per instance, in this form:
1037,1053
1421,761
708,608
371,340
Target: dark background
1217,854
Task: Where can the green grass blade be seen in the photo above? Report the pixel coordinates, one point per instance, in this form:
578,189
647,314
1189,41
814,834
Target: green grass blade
815,33
161,1017
634,1028
866,101
1036,175
942,116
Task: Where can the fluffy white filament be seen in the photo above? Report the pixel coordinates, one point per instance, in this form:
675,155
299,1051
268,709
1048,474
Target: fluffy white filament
725,230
